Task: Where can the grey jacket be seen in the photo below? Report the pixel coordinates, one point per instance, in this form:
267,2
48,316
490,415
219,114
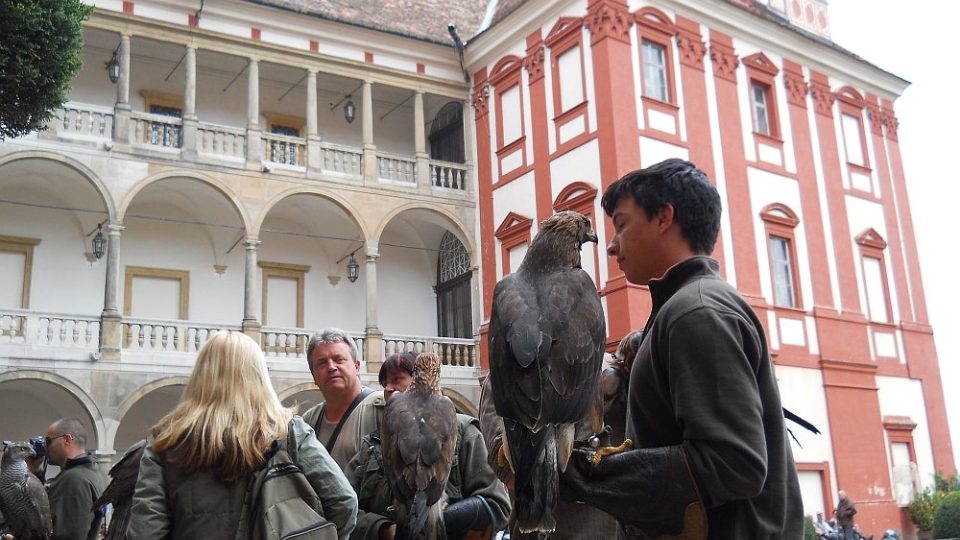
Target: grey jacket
72,494
202,506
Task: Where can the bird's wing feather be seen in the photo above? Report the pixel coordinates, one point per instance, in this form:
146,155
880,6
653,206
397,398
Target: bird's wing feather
123,477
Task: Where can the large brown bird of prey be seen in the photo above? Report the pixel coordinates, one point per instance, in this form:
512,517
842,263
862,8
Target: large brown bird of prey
120,491
546,341
23,499
419,435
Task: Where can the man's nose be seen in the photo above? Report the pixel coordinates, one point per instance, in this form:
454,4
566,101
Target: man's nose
612,248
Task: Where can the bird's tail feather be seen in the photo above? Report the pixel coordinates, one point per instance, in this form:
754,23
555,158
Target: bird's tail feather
536,476
416,518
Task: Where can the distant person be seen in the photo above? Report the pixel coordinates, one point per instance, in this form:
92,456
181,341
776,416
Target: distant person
79,484
844,514
824,530
194,475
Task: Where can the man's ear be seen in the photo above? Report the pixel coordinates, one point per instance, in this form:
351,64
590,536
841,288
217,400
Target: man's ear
665,217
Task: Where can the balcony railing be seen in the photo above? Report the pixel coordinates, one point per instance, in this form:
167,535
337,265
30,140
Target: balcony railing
81,121
168,336
221,142
284,150
292,342
396,168
49,329
340,159
155,130
452,351
444,174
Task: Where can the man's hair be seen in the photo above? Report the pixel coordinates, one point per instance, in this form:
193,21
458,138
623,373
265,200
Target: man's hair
680,184
396,362
74,427
331,335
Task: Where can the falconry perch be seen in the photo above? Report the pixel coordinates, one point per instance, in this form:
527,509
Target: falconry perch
23,499
419,435
547,336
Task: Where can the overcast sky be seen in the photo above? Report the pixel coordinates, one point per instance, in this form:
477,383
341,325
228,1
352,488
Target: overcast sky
913,40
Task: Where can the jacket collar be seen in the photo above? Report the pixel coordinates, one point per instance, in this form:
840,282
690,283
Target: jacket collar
661,289
80,460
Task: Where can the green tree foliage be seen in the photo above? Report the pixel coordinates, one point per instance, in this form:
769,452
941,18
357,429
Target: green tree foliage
809,532
924,505
946,522
40,43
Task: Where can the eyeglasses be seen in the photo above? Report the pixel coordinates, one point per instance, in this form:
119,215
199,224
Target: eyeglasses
49,440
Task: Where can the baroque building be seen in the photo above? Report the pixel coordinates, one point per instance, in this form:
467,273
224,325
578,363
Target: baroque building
279,166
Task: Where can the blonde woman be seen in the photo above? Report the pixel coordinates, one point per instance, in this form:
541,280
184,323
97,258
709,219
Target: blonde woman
193,476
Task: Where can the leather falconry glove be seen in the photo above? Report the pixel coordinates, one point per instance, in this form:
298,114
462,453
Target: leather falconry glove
650,491
467,518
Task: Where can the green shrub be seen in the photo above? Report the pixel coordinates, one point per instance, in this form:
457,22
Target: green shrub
946,520
809,533
923,507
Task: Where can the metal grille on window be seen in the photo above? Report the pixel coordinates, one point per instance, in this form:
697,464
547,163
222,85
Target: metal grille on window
161,133
454,313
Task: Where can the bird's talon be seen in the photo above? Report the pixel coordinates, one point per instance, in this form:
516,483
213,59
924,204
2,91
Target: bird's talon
610,450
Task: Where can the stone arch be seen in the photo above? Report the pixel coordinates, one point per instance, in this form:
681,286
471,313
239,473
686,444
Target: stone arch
463,405
307,387
212,181
136,397
83,399
455,224
67,161
322,193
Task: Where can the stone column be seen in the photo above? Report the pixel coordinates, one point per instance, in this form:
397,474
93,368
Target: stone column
121,112
374,342
254,156
467,147
369,149
189,140
314,156
111,329
251,292
420,145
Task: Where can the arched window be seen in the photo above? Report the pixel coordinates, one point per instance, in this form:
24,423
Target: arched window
780,222
446,134
454,313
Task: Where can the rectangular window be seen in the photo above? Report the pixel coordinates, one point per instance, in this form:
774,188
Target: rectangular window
759,94
853,139
783,289
655,71
282,302
12,268
903,470
571,79
873,278
510,114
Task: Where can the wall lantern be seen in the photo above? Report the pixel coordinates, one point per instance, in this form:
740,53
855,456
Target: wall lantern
350,112
98,243
353,269
113,68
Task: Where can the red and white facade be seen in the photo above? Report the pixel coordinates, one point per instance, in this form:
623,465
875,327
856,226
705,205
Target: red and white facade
801,141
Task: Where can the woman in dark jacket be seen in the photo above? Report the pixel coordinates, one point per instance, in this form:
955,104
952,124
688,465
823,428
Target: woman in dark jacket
194,474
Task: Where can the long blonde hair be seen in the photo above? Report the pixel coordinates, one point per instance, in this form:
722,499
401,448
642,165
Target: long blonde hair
229,413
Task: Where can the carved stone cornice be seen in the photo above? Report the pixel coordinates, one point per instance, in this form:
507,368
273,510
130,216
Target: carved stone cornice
823,98
481,93
891,124
797,88
533,62
608,19
725,61
692,49
876,119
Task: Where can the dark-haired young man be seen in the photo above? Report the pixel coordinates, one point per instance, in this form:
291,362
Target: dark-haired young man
711,455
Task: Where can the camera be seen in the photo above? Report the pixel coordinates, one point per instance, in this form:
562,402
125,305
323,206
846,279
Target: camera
39,445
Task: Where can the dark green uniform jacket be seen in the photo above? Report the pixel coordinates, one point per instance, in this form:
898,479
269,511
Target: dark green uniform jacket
470,476
72,494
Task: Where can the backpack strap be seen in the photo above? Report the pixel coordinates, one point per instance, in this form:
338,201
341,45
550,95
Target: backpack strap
346,414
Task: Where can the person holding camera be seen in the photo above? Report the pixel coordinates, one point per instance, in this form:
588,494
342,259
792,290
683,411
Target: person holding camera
79,484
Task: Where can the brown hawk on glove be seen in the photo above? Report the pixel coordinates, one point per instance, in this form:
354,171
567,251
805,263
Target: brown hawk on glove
547,336
418,438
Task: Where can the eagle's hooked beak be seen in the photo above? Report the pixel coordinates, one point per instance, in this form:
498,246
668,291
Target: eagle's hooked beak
591,236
